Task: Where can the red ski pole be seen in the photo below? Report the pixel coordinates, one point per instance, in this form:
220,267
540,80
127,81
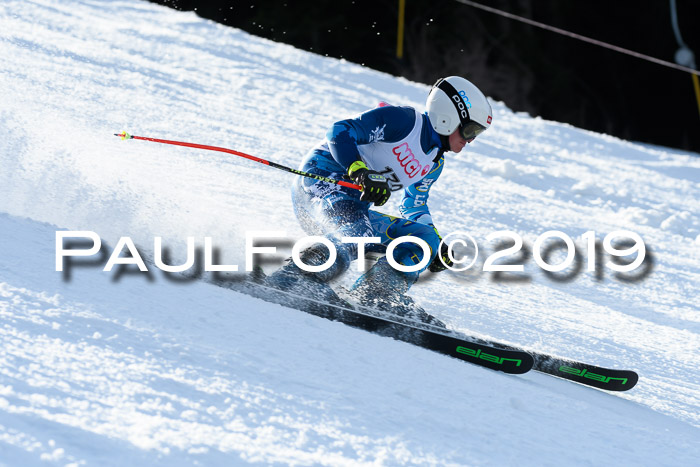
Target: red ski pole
125,135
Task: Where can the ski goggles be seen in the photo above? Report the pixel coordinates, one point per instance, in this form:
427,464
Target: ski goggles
471,130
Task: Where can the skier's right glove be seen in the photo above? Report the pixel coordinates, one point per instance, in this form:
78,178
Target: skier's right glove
375,187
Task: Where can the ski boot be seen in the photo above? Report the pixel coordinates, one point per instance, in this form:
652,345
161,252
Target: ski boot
384,288
293,280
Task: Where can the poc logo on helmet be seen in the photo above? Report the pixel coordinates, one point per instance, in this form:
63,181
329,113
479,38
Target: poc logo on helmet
466,99
461,106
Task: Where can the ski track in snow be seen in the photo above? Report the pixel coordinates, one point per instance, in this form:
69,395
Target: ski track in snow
98,371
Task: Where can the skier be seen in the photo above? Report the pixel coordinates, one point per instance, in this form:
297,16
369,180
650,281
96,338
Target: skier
386,149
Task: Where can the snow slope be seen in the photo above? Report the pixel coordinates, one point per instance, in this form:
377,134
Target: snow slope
107,370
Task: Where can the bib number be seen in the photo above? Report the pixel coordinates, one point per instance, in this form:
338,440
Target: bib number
391,177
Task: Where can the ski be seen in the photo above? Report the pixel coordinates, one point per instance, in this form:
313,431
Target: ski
609,379
512,361
483,352
591,375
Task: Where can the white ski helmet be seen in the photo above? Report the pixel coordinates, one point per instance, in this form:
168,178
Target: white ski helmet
454,103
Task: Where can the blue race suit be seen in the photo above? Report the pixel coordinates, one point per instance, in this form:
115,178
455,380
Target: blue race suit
398,142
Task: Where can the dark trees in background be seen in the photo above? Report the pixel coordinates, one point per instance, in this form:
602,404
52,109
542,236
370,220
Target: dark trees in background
530,69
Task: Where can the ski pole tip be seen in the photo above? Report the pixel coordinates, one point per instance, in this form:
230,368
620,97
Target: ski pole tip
123,135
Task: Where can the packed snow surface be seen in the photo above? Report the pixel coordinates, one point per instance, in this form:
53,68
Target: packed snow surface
135,369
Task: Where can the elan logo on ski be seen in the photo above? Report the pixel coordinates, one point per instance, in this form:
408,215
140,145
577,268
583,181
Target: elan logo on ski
487,357
509,361
586,374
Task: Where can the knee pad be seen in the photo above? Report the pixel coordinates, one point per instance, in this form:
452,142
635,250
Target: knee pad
409,253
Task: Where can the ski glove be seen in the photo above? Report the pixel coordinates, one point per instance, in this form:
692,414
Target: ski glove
436,265
375,187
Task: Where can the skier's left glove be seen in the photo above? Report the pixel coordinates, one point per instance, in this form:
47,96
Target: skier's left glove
375,187
436,265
